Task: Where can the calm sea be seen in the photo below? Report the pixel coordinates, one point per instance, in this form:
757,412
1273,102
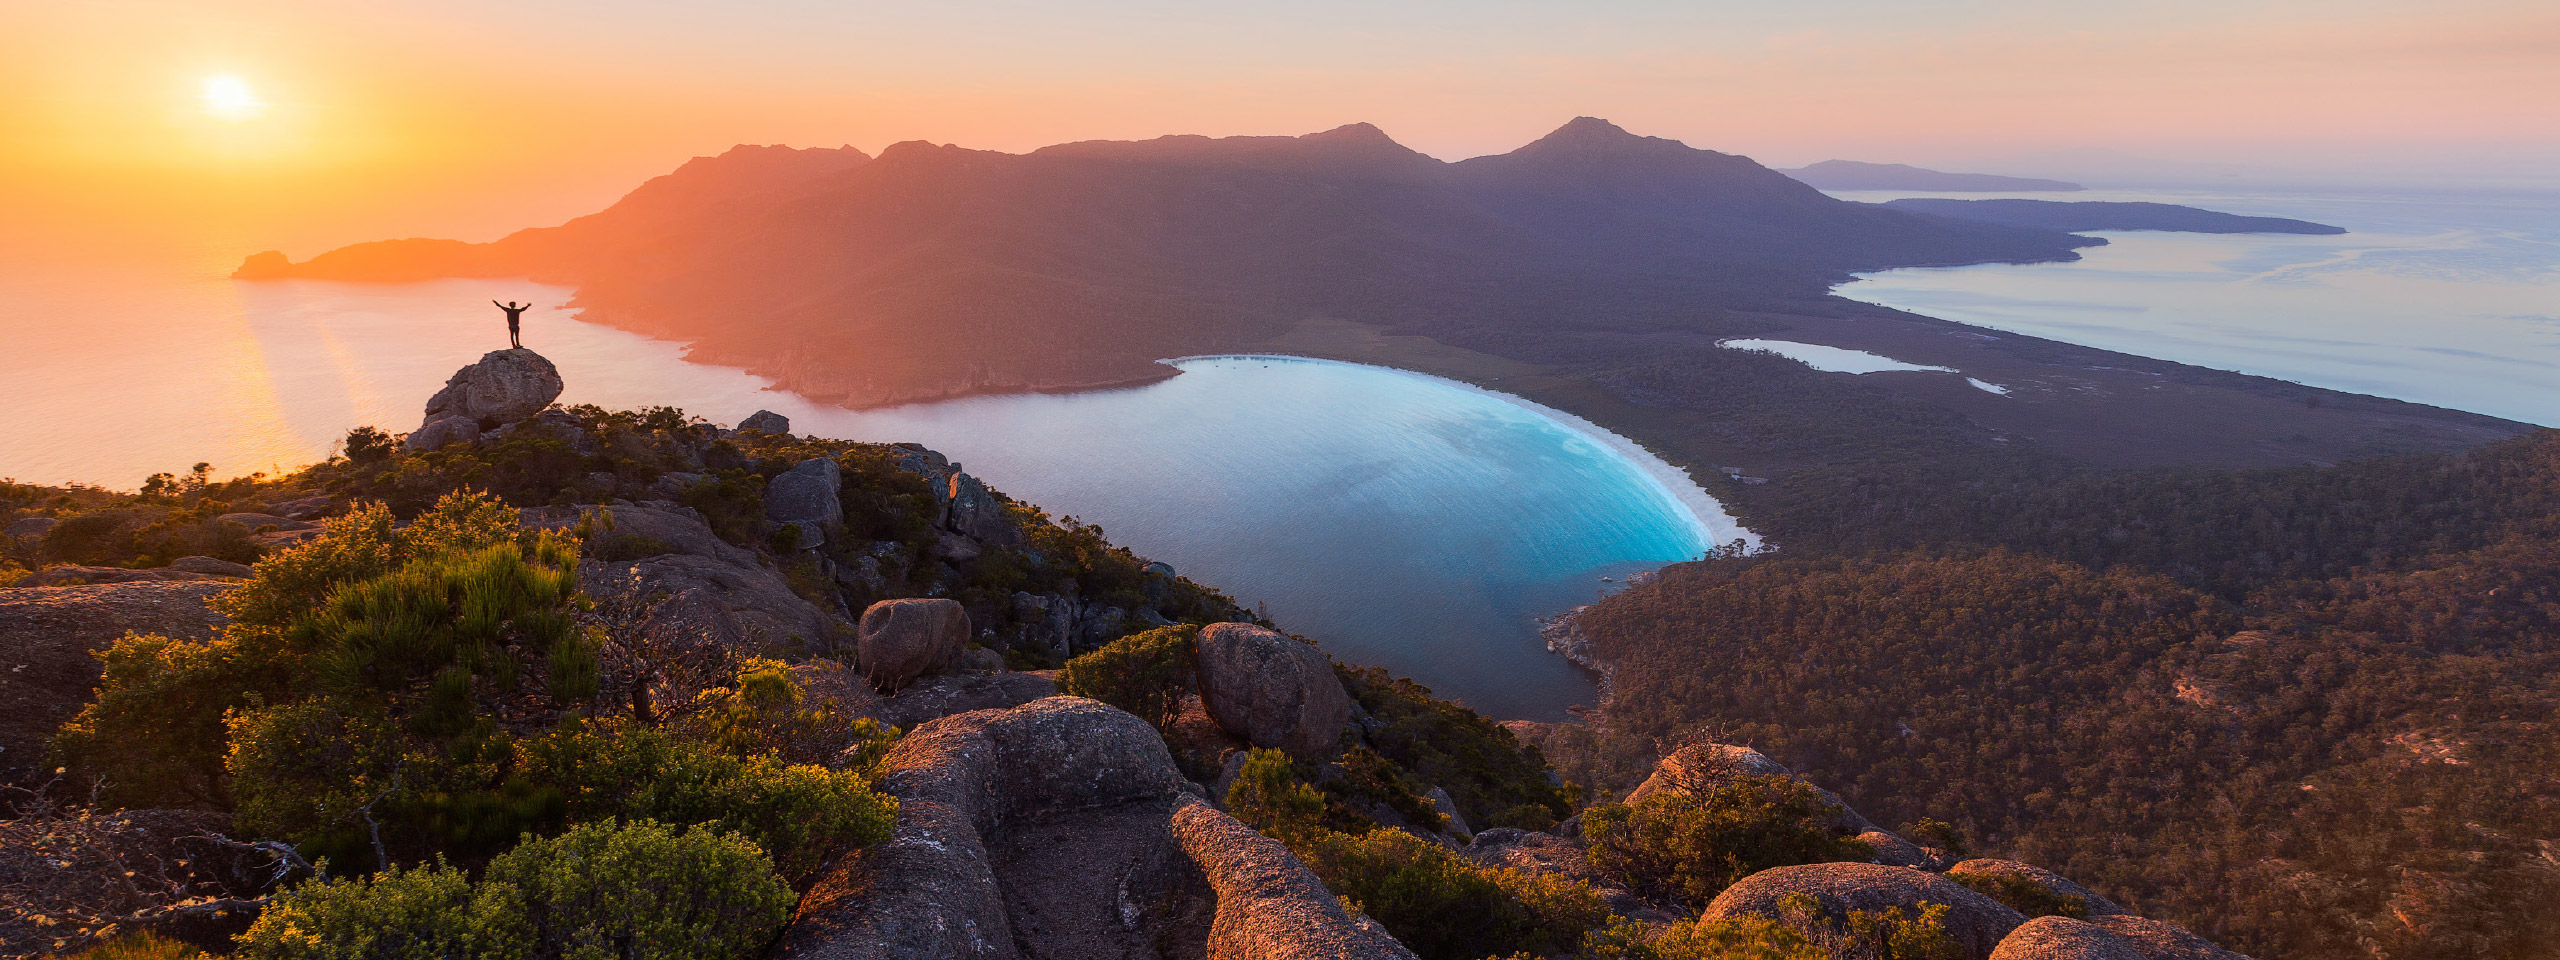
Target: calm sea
2448,297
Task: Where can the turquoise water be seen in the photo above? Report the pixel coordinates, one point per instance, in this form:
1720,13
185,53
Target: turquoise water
1398,519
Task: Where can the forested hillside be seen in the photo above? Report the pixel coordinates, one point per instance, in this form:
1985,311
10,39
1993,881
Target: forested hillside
2307,711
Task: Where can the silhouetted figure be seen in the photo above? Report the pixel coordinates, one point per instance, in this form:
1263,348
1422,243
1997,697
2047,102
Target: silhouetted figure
515,314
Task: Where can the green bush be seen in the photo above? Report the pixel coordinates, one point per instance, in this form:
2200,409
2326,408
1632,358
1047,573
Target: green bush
1933,832
2025,895
605,891
641,891
1445,907
1672,844
1738,938
423,913
799,814
1268,796
1147,674
1496,780
140,946
1433,900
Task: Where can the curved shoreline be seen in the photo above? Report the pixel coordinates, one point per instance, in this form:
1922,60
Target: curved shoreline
1706,515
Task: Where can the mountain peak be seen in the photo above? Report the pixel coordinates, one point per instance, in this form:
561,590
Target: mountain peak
1592,135
1353,133
1590,129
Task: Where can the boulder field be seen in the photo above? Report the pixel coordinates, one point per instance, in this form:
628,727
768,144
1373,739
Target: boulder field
1062,829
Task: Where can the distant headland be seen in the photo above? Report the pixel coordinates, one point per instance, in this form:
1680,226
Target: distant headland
1854,175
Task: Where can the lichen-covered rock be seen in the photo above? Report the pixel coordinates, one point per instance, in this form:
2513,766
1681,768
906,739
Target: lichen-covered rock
951,882
2162,940
936,697
805,497
74,575
442,432
972,509
907,638
1892,849
1977,922
1448,807
713,591
2052,882
48,640
210,566
1270,906
766,421
504,386
1271,690
667,526
2062,938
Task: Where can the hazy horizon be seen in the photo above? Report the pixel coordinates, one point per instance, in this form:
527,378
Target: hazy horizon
471,119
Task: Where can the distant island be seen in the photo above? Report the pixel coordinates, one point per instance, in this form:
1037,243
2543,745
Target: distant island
1854,175
2075,216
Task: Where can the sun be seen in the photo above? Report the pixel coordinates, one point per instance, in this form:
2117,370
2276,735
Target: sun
227,97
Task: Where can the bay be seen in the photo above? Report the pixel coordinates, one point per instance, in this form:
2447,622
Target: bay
2448,297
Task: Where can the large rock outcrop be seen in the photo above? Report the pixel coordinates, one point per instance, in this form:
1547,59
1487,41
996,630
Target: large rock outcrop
806,497
936,697
1271,690
2162,940
440,433
504,386
713,591
1061,829
2063,938
766,421
907,638
972,510
49,637
73,575
1977,922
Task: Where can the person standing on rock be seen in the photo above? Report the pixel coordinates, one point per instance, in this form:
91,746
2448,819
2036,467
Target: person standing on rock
515,314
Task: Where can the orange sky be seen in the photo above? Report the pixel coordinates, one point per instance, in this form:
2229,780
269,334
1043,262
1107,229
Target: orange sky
470,117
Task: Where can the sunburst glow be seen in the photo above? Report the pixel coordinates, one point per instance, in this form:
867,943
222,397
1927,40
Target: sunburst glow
228,97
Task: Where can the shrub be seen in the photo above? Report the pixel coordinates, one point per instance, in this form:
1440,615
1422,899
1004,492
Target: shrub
1433,900
1268,796
798,814
764,710
1445,907
1738,938
1933,832
641,890
2025,895
1693,847
1147,674
140,946
605,891
422,913
1495,779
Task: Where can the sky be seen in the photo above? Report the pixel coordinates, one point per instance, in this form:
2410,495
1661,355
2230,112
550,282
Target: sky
347,120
